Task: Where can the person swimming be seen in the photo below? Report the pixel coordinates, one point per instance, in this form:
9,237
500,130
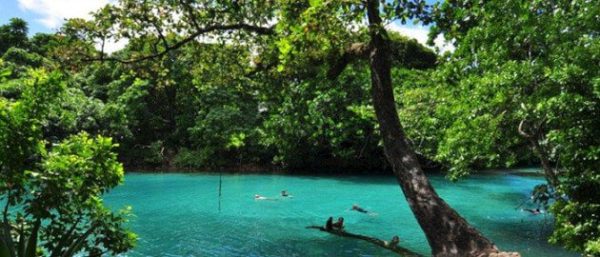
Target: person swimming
284,193
534,212
339,224
259,197
329,224
357,208
394,242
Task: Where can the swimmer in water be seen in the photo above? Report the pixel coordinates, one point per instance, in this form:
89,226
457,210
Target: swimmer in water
284,193
260,197
339,224
534,212
394,242
329,224
357,208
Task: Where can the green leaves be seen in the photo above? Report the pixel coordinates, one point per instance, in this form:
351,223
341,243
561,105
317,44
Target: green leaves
53,191
236,140
315,3
77,169
13,34
534,63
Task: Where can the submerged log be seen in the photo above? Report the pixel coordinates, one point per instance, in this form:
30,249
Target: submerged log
381,243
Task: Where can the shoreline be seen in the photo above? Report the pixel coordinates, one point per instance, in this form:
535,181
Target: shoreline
264,169
273,170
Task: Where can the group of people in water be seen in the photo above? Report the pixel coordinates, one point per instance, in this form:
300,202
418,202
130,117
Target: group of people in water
339,224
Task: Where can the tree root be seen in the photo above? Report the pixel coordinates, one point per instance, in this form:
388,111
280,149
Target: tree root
397,249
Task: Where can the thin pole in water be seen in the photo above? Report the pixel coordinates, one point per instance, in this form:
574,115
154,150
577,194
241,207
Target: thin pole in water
220,185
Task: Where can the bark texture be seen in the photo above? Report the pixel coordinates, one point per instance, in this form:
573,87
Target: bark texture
447,232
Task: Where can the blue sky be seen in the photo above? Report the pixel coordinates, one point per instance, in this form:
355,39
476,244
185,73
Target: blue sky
10,9
47,15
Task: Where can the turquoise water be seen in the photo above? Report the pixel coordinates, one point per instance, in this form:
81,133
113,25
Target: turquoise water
177,214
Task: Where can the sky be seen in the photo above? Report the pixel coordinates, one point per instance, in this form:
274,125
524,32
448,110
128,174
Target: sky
48,15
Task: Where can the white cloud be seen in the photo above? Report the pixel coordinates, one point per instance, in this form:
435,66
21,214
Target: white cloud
111,46
420,33
53,12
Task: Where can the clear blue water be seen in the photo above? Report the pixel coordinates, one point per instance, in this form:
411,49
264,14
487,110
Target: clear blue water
177,214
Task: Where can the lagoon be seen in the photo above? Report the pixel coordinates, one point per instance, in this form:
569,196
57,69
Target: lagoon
178,214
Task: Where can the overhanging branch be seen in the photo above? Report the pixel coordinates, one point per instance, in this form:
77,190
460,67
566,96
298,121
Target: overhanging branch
356,51
240,26
522,131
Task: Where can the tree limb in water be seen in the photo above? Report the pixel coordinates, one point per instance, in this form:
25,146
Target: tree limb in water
397,249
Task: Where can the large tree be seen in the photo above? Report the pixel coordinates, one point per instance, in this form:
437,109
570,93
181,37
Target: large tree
535,77
308,33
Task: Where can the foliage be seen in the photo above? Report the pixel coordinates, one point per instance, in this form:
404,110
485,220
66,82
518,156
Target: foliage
51,192
13,34
529,78
21,57
312,124
247,82
205,108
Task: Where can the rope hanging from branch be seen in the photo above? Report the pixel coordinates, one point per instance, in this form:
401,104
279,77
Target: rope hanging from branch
220,186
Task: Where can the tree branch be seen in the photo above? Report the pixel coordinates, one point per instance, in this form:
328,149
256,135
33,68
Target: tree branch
168,48
356,51
522,131
397,249
542,154
55,252
76,245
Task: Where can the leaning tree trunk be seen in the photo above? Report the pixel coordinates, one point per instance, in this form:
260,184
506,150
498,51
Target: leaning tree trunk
533,135
447,232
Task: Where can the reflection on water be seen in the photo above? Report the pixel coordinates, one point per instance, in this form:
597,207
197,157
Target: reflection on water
177,214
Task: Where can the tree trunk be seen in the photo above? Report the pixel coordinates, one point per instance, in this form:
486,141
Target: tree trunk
549,171
447,232
534,136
